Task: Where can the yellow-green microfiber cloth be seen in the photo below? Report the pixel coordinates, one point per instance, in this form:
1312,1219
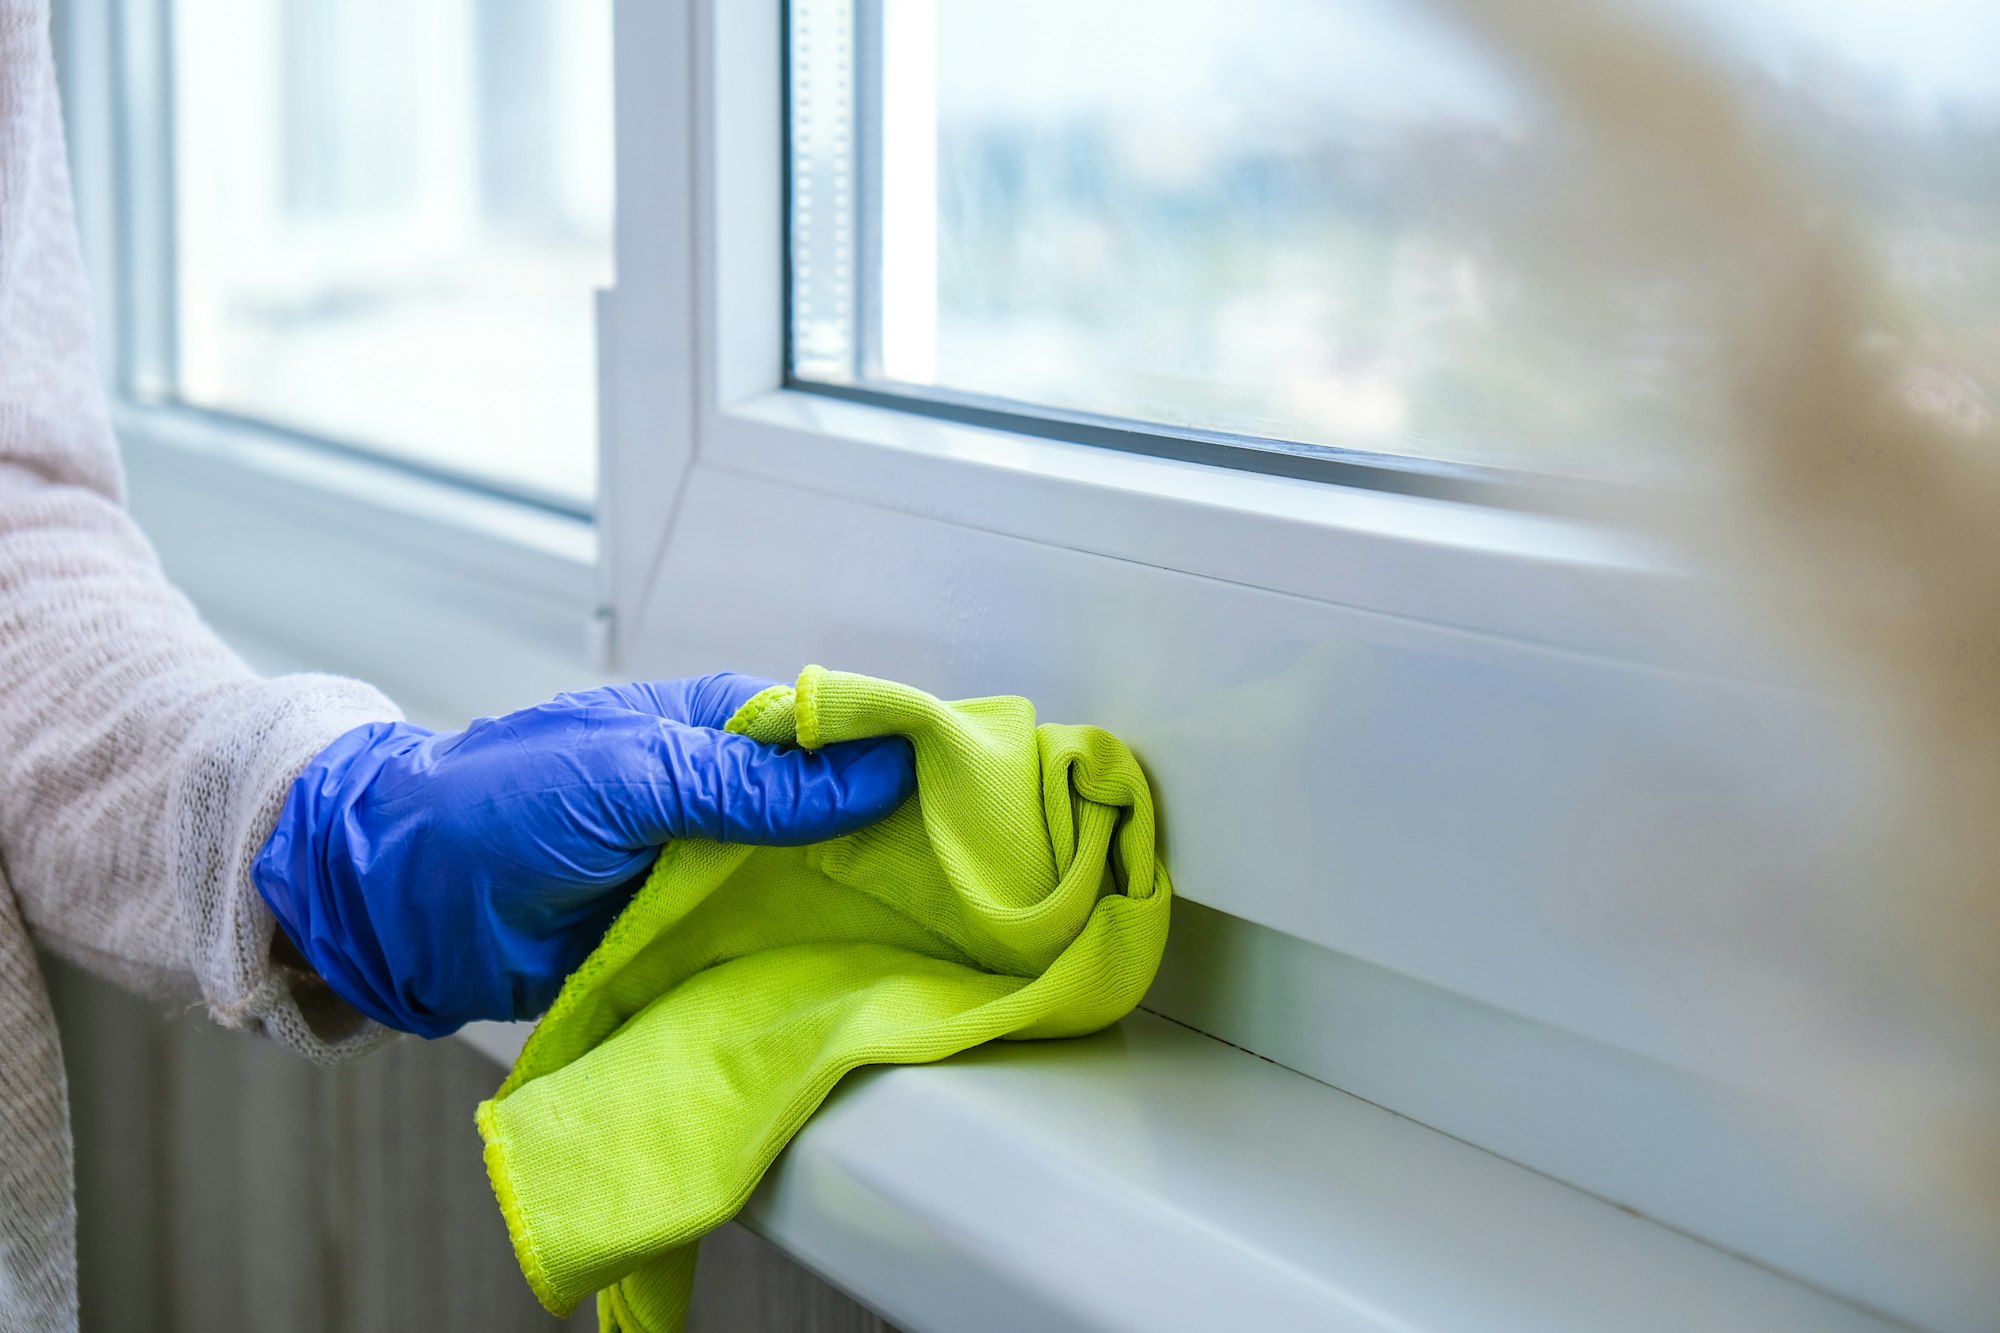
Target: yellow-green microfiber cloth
1017,894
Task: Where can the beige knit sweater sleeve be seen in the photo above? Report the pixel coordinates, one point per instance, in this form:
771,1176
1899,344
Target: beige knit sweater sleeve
141,762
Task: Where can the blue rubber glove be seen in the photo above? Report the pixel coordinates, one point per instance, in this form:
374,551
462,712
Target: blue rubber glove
433,880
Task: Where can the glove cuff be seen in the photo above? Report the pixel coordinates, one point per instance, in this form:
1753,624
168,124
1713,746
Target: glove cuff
307,873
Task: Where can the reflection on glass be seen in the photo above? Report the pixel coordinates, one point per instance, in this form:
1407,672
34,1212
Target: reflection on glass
390,217
1332,222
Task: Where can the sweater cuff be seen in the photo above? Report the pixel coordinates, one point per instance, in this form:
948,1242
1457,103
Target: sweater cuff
235,772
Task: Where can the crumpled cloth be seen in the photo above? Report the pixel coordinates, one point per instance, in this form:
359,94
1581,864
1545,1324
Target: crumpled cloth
1017,895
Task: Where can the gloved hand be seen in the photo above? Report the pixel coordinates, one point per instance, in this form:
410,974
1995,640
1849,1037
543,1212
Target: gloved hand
433,880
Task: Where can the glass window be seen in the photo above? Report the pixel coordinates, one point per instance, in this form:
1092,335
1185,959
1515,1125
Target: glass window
388,218
1318,223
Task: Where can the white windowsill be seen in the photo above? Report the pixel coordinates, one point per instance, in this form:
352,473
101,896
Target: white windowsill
1151,1178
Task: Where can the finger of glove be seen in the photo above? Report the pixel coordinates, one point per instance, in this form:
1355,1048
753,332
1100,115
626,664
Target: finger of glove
698,701
728,788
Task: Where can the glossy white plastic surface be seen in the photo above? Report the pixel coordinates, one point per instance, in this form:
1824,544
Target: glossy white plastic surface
1152,1179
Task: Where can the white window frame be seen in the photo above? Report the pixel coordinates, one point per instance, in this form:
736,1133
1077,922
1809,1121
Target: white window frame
701,226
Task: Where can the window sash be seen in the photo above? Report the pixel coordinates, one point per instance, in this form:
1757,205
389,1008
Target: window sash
124,73
836,137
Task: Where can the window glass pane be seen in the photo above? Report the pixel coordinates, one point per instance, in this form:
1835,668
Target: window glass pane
389,220
1332,222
